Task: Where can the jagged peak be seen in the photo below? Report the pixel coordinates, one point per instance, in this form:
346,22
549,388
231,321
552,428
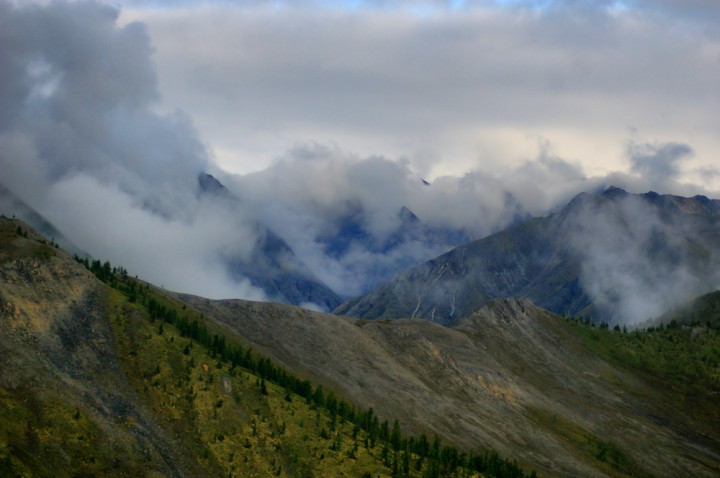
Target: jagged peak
406,215
614,192
208,183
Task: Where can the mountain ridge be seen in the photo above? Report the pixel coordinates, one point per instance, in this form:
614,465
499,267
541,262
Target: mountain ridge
510,376
566,262
105,375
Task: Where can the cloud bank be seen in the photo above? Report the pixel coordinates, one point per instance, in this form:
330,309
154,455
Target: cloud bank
641,256
450,86
80,142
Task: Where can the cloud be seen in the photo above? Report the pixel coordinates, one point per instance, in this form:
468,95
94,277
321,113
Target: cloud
83,97
318,196
341,213
635,262
181,256
349,111
469,89
81,141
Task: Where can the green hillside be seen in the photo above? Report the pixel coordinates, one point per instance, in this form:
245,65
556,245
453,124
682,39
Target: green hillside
683,352
197,403
106,375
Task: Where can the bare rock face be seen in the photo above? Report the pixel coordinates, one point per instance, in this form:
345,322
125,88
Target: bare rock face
613,256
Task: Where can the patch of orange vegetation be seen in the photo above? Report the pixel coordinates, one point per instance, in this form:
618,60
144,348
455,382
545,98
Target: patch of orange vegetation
497,390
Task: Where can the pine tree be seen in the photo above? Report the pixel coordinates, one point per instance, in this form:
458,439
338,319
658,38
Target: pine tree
395,436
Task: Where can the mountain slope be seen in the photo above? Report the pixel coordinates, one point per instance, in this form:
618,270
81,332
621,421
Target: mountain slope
117,378
510,376
65,398
373,257
614,256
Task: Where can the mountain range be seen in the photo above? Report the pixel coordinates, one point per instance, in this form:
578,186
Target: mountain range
104,374
613,256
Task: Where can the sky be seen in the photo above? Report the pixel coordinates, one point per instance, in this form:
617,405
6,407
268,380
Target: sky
448,86
316,112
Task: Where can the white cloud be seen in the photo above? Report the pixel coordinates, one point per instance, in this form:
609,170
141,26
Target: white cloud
181,256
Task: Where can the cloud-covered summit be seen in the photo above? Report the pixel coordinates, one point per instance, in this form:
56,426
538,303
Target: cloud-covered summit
611,256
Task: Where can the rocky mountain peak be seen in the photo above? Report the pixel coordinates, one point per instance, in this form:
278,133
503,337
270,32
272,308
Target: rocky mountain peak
612,256
208,184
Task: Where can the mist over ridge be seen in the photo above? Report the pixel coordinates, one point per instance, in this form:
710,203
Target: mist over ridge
82,141
611,256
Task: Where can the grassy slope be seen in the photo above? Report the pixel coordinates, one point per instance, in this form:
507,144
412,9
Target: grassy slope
223,418
680,362
223,415
184,411
220,417
681,357
685,357
512,377
47,428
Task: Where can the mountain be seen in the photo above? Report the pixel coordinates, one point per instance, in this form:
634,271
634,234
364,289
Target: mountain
407,242
105,375
67,405
563,397
704,310
351,228
614,256
271,265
